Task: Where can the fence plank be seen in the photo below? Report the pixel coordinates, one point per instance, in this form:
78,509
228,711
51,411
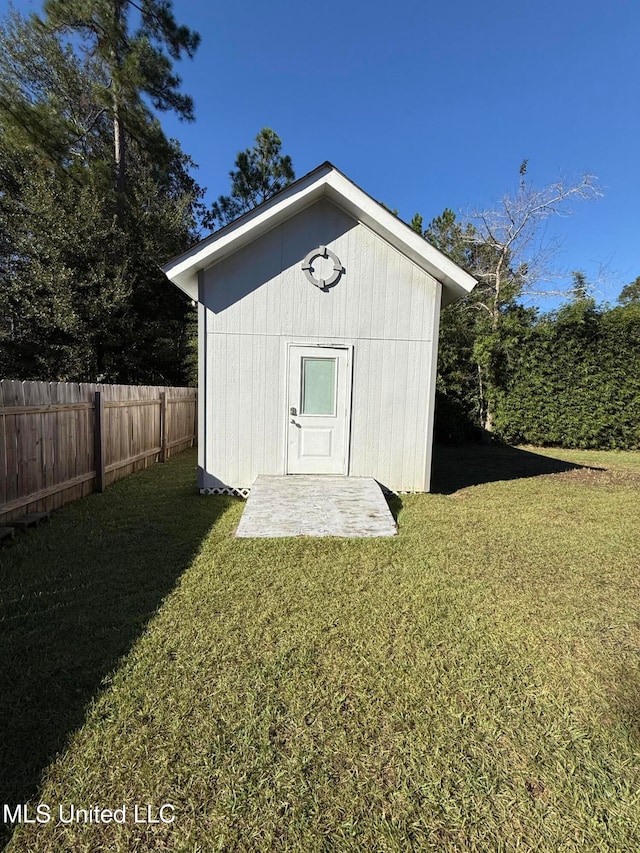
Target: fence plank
98,441
132,460
163,426
45,493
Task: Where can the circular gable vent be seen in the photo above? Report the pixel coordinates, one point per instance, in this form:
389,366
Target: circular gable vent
322,275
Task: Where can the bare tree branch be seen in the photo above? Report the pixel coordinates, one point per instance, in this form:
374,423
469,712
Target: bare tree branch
512,255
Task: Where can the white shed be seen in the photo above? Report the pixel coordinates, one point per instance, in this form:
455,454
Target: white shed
318,338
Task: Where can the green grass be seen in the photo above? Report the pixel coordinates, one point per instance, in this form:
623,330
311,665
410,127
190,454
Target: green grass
471,684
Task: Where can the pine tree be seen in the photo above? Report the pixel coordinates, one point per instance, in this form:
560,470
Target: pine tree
133,63
81,294
260,172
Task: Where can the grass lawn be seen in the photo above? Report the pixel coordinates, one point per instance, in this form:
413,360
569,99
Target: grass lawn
472,684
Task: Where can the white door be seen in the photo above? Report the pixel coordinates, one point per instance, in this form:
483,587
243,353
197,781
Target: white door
318,410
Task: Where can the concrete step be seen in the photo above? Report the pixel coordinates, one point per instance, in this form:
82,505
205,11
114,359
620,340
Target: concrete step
315,505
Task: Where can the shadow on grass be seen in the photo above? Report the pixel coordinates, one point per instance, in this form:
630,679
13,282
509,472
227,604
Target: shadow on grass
76,594
394,502
473,464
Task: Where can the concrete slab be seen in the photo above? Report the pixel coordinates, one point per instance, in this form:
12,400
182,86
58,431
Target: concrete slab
314,505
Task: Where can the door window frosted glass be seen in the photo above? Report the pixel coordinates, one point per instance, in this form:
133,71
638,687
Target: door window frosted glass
318,386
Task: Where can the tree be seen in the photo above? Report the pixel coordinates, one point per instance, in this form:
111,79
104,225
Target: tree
504,248
512,260
65,285
132,64
630,294
581,287
81,295
515,260
47,108
81,298
458,389
260,172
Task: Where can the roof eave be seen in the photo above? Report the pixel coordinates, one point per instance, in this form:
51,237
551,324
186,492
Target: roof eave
456,281
325,181
183,270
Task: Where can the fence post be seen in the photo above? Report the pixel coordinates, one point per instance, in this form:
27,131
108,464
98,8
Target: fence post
98,441
163,426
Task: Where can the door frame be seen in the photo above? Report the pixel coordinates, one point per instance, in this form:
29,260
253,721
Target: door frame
348,348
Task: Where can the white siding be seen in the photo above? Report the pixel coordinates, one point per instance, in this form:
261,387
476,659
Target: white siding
259,300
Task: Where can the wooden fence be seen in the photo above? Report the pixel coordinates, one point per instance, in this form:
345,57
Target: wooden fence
61,440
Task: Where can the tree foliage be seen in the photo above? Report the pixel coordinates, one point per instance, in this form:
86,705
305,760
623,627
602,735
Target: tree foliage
131,63
260,172
569,378
81,294
630,294
574,380
515,259
505,249
46,106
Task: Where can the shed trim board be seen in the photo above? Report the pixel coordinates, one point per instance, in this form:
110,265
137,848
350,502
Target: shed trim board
432,394
324,286
203,390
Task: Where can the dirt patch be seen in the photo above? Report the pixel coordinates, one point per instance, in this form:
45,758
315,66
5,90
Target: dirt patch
601,477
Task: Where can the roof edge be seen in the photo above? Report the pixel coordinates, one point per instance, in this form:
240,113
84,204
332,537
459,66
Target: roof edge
323,181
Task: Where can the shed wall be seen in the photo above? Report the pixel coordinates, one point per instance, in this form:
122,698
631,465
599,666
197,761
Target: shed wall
259,300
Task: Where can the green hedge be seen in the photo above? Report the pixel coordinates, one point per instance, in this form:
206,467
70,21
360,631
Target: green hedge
573,380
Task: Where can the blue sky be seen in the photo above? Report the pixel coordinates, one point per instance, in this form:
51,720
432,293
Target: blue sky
428,106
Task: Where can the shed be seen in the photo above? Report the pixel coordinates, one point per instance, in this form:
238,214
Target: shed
318,315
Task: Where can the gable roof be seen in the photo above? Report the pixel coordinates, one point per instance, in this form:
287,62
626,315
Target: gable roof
323,182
